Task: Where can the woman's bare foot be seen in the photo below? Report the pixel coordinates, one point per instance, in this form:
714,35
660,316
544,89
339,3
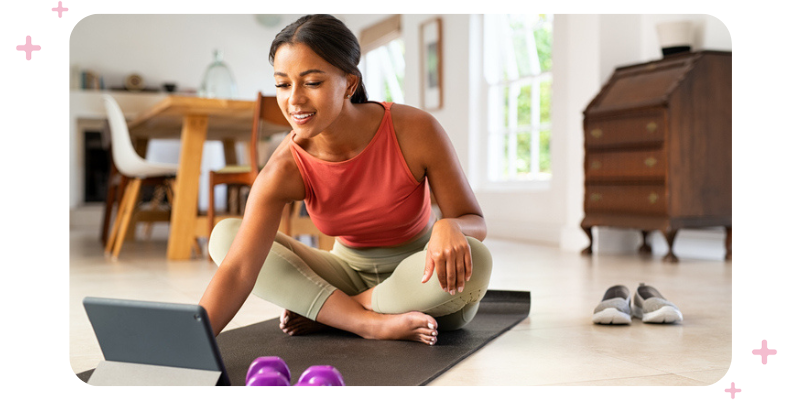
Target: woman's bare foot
347,313
413,326
295,324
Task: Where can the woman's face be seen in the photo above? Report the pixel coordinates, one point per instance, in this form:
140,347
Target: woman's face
310,91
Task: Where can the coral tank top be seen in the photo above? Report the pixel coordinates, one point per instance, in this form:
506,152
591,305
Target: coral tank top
370,200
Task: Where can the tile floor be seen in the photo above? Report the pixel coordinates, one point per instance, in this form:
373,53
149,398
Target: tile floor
556,345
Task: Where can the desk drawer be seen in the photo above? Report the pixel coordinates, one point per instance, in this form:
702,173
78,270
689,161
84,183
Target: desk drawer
626,165
633,129
646,199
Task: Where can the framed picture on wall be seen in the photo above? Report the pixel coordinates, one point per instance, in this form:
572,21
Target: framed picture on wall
431,59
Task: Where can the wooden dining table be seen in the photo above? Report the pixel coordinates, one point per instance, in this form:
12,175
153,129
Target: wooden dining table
194,120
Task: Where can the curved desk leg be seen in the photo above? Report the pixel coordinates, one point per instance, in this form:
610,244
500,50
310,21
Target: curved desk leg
184,210
588,251
645,247
729,243
670,234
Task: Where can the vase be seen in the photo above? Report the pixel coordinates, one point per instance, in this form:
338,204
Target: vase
218,80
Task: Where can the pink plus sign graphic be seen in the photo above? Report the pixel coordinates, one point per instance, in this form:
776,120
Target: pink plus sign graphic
28,47
733,390
60,9
764,352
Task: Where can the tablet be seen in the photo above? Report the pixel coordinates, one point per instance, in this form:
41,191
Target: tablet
141,333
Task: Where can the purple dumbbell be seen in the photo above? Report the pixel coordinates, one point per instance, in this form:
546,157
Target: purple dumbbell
268,371
321,375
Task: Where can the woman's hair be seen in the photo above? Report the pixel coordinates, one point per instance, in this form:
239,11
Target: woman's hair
331,40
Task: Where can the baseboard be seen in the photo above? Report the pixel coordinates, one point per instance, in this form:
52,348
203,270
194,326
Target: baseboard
86,216
692,243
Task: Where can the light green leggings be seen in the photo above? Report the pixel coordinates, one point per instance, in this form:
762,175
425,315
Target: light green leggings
300,278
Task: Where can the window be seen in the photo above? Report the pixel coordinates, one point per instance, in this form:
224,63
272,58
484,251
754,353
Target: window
517,69
385,70
383,60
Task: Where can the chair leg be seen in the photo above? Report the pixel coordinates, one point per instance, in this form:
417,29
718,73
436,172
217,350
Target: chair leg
118,196
210,213
159,196
325,242
196,247
211,207
286,218
233,199
132,195
107,213
170,190
158,193
122,201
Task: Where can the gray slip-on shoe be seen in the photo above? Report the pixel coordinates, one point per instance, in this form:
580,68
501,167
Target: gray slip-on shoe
615,307
651,307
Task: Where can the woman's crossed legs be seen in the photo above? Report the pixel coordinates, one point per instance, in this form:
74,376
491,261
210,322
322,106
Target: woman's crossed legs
320,288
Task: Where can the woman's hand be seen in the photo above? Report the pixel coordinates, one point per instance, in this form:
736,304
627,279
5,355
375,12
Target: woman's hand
449,255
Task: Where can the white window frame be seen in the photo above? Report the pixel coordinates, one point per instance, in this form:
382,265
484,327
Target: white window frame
381,58
381,67
492,132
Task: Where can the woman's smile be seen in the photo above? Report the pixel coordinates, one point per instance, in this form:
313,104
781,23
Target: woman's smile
302,117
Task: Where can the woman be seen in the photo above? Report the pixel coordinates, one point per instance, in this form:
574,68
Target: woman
364,170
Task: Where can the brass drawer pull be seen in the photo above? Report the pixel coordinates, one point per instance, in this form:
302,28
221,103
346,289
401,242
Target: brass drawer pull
653,198
596,164
596,133
595,197
650,162
651,127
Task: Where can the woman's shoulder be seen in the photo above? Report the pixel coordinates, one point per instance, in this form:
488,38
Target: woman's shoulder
420,136
408,115
415,124
283,153
281,172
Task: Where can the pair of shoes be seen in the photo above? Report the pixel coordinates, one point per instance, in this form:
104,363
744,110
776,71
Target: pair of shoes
647,304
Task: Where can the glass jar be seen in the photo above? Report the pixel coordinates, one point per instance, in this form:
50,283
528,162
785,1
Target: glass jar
218,80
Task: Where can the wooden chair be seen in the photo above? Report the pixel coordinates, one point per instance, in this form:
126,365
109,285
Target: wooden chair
115,189
137,171
267,119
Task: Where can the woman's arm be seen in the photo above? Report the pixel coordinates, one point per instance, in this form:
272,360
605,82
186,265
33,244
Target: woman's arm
428,150
276,185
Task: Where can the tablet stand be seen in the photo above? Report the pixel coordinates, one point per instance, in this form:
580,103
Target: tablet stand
114,373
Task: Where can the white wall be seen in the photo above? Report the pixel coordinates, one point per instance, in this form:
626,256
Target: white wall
175,48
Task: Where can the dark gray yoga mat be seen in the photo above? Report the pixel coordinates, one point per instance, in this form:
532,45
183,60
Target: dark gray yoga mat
370,362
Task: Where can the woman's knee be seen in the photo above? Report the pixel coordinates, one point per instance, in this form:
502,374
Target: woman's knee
458,319
221,238
481,263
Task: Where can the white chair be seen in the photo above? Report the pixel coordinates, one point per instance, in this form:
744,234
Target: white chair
135,168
